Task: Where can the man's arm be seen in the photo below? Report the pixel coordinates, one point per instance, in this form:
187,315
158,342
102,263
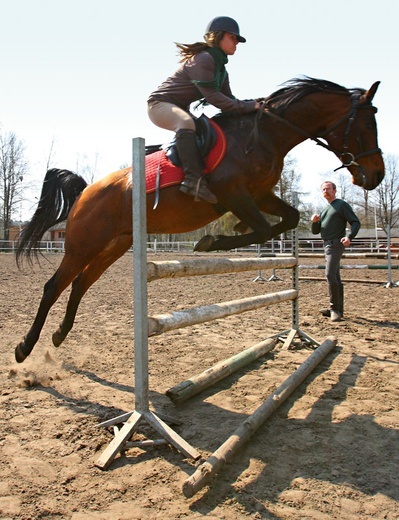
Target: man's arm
353,221
316,224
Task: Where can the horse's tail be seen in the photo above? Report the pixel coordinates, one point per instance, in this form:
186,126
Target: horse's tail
60,190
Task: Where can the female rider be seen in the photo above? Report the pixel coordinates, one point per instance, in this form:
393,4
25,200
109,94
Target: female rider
201,76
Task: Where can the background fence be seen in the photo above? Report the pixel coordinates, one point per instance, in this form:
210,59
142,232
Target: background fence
275,246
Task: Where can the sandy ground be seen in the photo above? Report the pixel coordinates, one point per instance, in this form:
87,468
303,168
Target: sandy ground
329,452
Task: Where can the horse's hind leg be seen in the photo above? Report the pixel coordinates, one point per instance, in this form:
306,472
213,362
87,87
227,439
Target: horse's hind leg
85,280
51,292
74,299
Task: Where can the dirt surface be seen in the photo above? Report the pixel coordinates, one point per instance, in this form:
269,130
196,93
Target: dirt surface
330,451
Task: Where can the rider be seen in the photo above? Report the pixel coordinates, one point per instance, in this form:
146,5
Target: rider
201,76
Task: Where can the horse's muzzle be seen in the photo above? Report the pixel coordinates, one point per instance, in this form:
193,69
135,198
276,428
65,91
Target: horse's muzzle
374,181
365,178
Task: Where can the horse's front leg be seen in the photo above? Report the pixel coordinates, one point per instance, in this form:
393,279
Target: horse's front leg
244,208
273,205
252,219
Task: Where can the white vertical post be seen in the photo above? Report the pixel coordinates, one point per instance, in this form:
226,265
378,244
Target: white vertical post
259,277
295,331
140,301
295,281
389,283
376,231
140,309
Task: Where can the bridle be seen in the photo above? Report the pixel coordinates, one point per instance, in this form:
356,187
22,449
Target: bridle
346,157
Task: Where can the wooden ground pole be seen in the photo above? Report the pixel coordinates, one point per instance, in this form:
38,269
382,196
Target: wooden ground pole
206,471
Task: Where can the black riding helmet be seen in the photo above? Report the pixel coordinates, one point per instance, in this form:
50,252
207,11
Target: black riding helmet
225,24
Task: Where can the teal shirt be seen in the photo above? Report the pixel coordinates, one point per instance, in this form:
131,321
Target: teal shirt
333,220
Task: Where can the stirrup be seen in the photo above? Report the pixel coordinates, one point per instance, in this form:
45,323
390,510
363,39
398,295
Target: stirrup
199,191
202,192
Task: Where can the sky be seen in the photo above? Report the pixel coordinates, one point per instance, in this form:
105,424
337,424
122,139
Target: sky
77,73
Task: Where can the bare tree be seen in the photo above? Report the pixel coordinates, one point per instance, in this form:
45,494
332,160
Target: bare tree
348,191
13,168
385,198
290,180
51,153
86,167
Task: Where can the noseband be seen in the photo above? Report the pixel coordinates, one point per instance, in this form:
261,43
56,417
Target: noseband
345,156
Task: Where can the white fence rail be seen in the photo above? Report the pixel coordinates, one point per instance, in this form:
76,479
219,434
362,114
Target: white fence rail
273,247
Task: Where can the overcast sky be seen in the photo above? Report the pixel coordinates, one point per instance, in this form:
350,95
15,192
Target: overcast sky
79,71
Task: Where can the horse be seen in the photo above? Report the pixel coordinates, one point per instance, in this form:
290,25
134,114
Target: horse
99,216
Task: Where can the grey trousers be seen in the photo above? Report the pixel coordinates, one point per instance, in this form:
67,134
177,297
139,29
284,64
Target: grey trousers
333,250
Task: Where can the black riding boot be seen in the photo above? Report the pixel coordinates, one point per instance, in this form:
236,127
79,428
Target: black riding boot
193,184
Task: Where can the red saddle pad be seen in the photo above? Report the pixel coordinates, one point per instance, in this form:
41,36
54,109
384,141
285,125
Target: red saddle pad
171,174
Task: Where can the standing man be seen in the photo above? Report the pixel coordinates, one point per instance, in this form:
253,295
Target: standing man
331,223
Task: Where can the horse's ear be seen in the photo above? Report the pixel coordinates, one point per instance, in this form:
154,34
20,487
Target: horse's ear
370,93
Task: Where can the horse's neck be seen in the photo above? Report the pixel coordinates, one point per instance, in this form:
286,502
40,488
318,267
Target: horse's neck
310,118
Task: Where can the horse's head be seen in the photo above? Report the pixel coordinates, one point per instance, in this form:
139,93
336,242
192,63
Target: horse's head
346,120
354,140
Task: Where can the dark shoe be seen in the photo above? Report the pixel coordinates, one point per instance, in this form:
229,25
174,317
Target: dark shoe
325,312
335,316
197,189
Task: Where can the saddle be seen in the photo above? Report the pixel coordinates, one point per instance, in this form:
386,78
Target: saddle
162,163
206,139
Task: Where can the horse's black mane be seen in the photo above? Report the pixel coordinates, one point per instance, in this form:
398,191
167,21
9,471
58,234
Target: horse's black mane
296,88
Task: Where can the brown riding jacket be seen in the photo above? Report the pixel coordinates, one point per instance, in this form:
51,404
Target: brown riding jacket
180,90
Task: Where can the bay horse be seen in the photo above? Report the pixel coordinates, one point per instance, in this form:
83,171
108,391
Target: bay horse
99,216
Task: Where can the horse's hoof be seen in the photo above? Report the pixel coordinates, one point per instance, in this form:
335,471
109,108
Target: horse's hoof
205,243
19,355
57,338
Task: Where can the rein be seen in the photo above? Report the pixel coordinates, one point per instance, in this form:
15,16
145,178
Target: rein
255,131
346,157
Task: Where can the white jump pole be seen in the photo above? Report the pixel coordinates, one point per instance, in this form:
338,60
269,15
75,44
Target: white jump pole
160,323
200,267
140,304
